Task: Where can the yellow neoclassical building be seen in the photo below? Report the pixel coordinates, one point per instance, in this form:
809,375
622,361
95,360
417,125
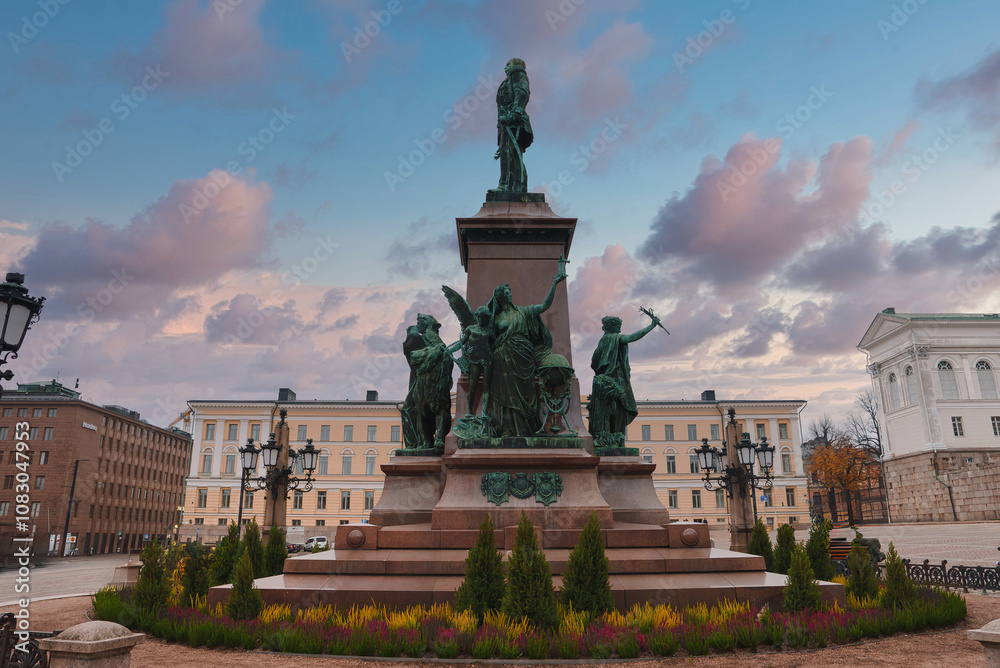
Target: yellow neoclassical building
356,437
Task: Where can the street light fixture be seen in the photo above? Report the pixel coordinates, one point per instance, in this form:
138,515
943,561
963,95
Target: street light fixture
277,477
19,311
739,474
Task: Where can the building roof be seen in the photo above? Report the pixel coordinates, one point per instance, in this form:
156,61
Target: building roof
876,329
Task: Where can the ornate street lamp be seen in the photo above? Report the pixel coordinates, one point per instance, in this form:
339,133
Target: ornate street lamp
277,477
19,312
737,474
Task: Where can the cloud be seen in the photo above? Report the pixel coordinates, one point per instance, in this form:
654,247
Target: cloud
975,92
897,144
245,320
106,270
211,56
420,251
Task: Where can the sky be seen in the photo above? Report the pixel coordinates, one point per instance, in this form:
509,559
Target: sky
221,198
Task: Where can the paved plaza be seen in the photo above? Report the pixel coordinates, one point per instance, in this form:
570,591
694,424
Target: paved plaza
61,577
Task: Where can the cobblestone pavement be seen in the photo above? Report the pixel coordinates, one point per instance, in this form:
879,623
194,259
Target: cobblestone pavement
962,544
61,577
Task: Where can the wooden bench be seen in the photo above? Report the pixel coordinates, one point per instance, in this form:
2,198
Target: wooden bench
840,549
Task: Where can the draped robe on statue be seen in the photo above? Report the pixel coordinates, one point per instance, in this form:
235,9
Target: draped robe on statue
522,341
612,405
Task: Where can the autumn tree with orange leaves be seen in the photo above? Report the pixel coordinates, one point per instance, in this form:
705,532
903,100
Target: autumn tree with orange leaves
841,465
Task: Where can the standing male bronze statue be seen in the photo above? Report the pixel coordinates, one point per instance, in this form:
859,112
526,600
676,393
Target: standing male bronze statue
514,133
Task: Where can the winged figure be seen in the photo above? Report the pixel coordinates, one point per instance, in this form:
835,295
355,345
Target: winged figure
477,345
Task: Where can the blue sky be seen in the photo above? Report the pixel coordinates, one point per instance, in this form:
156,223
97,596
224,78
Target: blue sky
766,289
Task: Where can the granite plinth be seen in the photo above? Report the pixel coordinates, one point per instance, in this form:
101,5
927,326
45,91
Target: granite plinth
515,197
412,486
520,442
419,452
626,483
615,452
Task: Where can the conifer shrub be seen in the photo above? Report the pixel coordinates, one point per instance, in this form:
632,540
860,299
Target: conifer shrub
276,552
818,549
899,589
586,586
483,588
760,544
244,601
802,591
197,574
861,581
152,588
529,580
783,550
253,547
225,556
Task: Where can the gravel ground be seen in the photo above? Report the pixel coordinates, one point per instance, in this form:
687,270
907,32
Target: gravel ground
942,648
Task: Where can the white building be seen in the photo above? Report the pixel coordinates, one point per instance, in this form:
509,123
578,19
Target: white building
936,377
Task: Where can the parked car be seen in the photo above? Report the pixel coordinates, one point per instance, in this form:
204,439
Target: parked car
315,541
292,548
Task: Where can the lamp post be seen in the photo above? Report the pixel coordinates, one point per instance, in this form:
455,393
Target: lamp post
736,475
279,471
19,311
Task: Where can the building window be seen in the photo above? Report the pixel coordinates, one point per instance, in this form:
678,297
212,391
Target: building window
324,433
295,523
782,430
302,432
4,508
696,498
223,522
233,432
39,482
786,462
996,424
47,434
668,432
33,434
790,497
370,465
647,456
297,500
321,523
206,464
692,432
394,433
321,500
720,498
769,499
694,464
893,392
760,432
371,433
911,386
324,463
345,466
671,464
43,457
345,500
22,412
342,522
36,412
210,431
203,498
3,433
987,382
714,432
230,463
348,432
255,432
672,499
369,500
247,500
645,432
956,426
946,376
226,494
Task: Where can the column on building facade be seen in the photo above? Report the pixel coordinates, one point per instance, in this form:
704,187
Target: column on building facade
795,431
195,463
971,380
750,427
217,446
925,377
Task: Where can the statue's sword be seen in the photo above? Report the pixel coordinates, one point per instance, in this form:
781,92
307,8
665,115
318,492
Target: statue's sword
649,312
520,156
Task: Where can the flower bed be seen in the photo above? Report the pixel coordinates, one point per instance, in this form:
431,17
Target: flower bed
441,631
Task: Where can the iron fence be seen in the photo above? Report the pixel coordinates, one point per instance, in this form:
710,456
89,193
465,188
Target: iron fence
982,578
27,655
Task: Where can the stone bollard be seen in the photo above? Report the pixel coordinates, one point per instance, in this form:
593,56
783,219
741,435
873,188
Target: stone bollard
989,637
91,644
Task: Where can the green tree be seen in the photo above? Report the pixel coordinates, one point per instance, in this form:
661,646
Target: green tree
585,583
899,589
802,591
818,549
529,580
276,553
861,580
252,546
225,556
244,601
197,574
760,544
783,550
152,588
483,587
